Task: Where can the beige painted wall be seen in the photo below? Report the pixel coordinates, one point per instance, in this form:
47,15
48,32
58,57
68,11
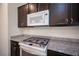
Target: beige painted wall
4,29
0,28
13,19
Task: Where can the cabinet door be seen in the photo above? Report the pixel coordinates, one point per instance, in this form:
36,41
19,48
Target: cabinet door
22,15
75,13
58,14
68,10
15,50
55,53
32,7
43,6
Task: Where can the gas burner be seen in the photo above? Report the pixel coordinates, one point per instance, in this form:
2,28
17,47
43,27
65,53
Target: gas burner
37,41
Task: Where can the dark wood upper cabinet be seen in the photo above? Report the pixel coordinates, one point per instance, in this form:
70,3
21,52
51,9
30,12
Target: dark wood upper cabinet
75,13
72,13
68,10
74,10
35,7
43,6
22,15
58,14
64,14
32,7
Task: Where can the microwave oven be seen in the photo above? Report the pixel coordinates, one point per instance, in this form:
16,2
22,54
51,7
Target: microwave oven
40,18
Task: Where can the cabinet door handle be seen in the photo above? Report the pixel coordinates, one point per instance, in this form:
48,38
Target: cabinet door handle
71,20
66,20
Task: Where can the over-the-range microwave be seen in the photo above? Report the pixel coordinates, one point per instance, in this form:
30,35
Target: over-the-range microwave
38,18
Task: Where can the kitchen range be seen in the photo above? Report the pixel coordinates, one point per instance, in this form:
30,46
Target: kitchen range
34,46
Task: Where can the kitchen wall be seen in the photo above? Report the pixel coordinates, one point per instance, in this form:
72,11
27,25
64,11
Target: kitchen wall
67,32
0,29
3,29
13,19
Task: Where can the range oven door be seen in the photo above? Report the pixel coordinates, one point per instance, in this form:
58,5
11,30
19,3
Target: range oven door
30,50
24,53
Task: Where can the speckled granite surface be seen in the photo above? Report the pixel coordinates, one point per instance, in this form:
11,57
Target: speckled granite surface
20,38
64,45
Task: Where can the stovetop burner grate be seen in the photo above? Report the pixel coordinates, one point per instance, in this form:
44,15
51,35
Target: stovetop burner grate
37,40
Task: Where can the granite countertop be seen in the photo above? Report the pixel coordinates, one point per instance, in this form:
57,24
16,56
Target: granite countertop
64,45
19,38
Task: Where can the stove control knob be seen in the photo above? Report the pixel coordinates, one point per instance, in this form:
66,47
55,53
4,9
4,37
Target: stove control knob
30,44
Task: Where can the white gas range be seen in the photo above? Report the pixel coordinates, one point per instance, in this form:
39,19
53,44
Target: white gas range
34,45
